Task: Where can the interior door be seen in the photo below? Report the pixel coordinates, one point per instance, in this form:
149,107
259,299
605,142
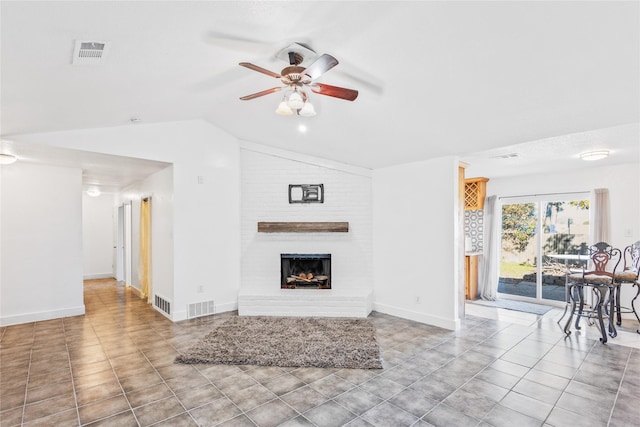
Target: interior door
127,245
120,262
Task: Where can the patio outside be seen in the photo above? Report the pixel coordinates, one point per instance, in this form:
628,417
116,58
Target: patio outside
564,230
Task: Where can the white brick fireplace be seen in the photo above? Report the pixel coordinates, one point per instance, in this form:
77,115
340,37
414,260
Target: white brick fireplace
266,175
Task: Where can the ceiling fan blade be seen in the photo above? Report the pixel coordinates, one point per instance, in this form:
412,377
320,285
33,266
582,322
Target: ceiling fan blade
335,91
260,70
259,94
361,78
320,66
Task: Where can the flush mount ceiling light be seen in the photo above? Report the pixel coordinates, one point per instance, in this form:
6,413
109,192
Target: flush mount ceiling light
93,192
7,159
295,78
594,155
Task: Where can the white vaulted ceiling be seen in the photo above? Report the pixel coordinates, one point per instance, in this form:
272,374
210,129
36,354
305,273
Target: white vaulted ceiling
435,78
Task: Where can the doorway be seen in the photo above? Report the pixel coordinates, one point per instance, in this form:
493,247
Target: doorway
123,245
540,236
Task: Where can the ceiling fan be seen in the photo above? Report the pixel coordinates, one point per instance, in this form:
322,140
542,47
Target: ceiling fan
296,77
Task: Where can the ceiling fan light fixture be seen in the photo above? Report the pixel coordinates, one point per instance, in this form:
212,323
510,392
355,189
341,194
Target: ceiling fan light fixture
295,101
307,110
295,78
594,155
283,109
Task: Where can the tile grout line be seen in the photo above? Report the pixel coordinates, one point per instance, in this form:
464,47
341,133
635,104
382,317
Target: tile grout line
26,386
224,394
476,374
414,356
73,383
442,402
532,368
615,400
163,382
593,346
386,400
204,404
278,397
115,375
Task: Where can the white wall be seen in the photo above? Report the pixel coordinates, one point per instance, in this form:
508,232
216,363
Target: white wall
159,187
416,241
265,182
206,217
41,274
98,232
624,197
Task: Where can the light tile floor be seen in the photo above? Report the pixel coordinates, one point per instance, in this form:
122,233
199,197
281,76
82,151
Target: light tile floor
114,367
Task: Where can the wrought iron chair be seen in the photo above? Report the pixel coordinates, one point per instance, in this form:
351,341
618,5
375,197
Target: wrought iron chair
569,270
604,260
628,275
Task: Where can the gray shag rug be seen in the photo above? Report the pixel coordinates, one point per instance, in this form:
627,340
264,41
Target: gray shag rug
289,341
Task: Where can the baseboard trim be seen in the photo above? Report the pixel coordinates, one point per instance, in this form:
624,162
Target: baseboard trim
98,276
41,316
135,290
453,325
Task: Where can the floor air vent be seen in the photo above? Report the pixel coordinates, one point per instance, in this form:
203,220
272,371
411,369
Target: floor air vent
162,304
198,309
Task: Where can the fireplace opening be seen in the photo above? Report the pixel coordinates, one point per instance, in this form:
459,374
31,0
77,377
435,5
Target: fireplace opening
310,271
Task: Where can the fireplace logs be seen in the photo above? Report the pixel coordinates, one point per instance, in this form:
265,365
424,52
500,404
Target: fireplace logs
306,281
311,271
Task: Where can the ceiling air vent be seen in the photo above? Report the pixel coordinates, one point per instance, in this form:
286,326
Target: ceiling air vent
89,52
507,156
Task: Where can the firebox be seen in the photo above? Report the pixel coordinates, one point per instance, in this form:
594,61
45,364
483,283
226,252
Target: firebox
305,271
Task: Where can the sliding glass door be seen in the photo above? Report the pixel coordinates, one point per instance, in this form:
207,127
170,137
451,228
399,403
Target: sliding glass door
542,237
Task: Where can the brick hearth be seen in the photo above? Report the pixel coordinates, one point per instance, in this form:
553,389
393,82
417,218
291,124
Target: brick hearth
305,302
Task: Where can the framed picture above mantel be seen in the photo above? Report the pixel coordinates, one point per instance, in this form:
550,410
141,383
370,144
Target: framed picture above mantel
306,193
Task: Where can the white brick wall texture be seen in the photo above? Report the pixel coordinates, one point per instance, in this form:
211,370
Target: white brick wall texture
265,182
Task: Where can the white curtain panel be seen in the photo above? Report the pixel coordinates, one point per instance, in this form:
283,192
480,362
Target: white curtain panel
601,223
488,280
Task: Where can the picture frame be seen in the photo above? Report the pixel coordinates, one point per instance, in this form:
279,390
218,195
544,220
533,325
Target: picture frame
306,193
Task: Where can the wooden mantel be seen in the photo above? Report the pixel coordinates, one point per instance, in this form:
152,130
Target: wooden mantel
303,227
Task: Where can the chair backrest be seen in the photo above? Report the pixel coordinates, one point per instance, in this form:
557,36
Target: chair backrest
631,256
604,259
